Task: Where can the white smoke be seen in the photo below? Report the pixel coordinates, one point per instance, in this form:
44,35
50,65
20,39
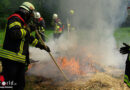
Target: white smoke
95,22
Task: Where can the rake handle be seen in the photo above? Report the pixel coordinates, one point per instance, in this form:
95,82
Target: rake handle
58,66
51,56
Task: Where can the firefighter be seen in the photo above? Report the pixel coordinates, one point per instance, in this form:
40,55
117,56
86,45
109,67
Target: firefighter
70,24
15,52
58,26
126,50
40,24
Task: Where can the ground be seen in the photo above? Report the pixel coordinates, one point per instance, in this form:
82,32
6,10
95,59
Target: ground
100,81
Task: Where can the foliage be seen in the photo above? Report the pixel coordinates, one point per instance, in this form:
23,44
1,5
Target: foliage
45,7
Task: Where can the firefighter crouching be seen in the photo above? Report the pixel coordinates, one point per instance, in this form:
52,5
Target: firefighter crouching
58,26
15,52
40,25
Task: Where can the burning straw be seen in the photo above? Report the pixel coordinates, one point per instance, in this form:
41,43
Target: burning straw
91,48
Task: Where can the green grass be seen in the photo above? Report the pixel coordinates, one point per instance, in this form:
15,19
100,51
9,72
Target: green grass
2,34
121,35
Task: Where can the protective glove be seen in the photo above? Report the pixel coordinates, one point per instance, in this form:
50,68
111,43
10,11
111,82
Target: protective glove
39,45
125,49
47,49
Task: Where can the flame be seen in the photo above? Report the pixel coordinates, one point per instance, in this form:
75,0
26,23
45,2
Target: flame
29,67
77,67
72,66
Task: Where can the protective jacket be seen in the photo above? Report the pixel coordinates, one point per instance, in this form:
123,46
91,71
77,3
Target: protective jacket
17,40
58,26
40,25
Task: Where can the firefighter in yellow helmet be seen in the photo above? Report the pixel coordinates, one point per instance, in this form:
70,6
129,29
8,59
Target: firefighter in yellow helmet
70,24
58,26
15,52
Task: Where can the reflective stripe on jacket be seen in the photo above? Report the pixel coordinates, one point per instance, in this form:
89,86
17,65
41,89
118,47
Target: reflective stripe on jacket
58,26
12,56
17,40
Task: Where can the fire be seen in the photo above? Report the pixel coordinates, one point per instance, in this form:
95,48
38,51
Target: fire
76,67
30,66
71,66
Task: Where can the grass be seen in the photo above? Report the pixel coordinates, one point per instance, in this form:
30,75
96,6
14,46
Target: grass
121,35
2,34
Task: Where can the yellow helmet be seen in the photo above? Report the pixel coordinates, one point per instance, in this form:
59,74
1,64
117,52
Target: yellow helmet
27,6
72,12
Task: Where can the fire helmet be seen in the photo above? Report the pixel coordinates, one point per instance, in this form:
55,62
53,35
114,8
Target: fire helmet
72,12
55,16
27,6
37,15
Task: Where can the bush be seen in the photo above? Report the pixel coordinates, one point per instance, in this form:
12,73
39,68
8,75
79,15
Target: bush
3,22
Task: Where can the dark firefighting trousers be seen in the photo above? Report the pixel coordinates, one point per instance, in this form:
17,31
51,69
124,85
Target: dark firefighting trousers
127,72
56,35
14,71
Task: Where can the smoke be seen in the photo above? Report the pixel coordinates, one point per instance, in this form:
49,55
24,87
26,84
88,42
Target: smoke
95,22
